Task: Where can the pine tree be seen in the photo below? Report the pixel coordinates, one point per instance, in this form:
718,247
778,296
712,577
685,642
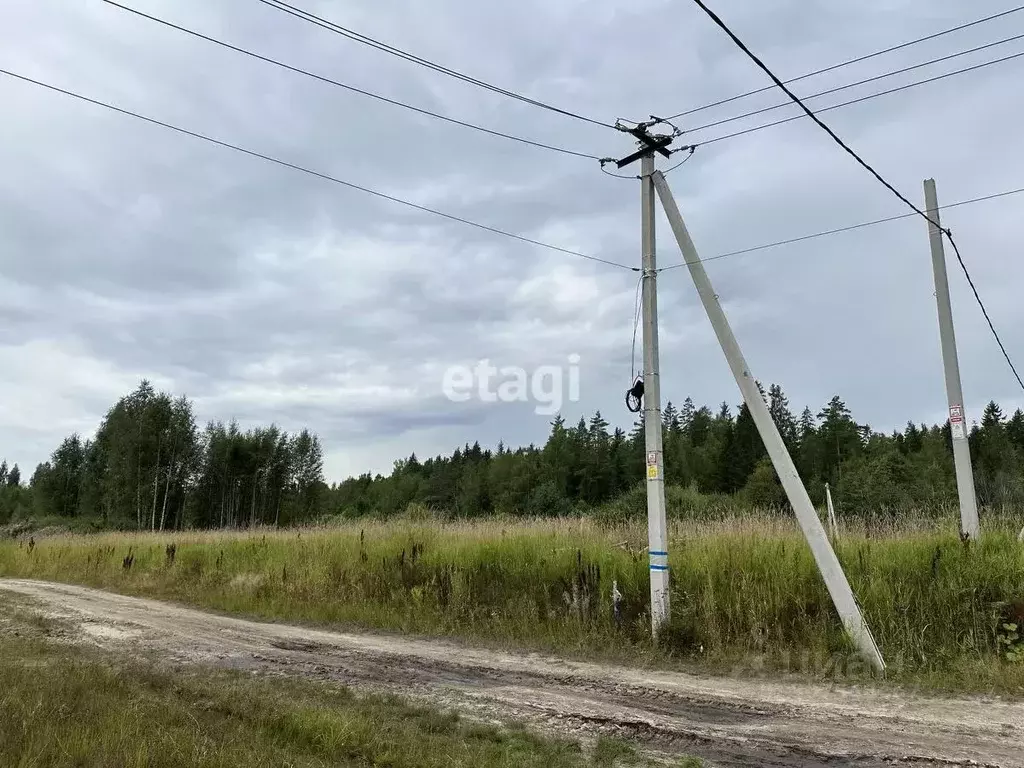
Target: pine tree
808,450
808,425
778,407
997,465
912,438
686,414
596,474
729,476
619,461
674,446
1015,429
747,449
670,418
839,438
556,459
700,426
992,417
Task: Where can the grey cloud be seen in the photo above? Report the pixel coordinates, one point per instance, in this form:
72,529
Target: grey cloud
127,251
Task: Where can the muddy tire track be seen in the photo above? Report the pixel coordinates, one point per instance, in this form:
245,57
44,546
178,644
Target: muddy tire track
729,722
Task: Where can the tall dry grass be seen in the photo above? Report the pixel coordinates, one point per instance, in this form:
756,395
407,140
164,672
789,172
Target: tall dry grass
745,591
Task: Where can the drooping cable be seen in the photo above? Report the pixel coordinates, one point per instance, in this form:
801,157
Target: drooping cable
840,230
861,99
991,327
883,76
358,37
692,149
346,86
309,171
637,309
845,147
856,60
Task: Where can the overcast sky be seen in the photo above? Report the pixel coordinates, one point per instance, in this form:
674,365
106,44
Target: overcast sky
128,251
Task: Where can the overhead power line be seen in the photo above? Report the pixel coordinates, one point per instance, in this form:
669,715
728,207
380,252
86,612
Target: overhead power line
311,172
850,62
840,230
845,147
860,99
347,87
413,58
883,76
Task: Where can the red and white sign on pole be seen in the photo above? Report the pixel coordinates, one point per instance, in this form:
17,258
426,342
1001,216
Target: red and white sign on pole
652,465
956,422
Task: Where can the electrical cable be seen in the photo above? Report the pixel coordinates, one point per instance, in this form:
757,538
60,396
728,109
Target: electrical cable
843,145
347,87
839,230
635,394
861,99
390,49
309,171
856,60
636,322
604,161
991,327
830,91
692,148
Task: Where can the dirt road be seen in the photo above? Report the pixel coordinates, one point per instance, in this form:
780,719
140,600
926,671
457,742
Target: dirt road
728,722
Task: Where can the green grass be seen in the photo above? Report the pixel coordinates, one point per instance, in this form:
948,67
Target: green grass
746,595
66,706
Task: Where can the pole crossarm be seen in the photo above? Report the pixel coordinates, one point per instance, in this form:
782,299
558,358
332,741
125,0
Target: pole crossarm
649,145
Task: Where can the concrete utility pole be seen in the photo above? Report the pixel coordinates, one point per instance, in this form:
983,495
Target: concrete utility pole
954,393
657,536
657,528
828,564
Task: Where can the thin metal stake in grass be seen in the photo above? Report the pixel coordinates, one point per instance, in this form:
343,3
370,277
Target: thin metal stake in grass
831,513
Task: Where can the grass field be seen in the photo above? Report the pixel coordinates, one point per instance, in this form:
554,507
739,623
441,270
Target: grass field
746,595
66,706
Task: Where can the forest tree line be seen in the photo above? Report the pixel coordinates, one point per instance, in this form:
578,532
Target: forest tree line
714,454
150,467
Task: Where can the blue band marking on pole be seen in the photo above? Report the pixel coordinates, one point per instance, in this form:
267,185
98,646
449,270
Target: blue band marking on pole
659,567
659,554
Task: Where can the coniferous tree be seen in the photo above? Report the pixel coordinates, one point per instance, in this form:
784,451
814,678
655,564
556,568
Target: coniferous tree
838,439
670,417
748,448
778,407
1015,429
686,414
148,466
700,426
